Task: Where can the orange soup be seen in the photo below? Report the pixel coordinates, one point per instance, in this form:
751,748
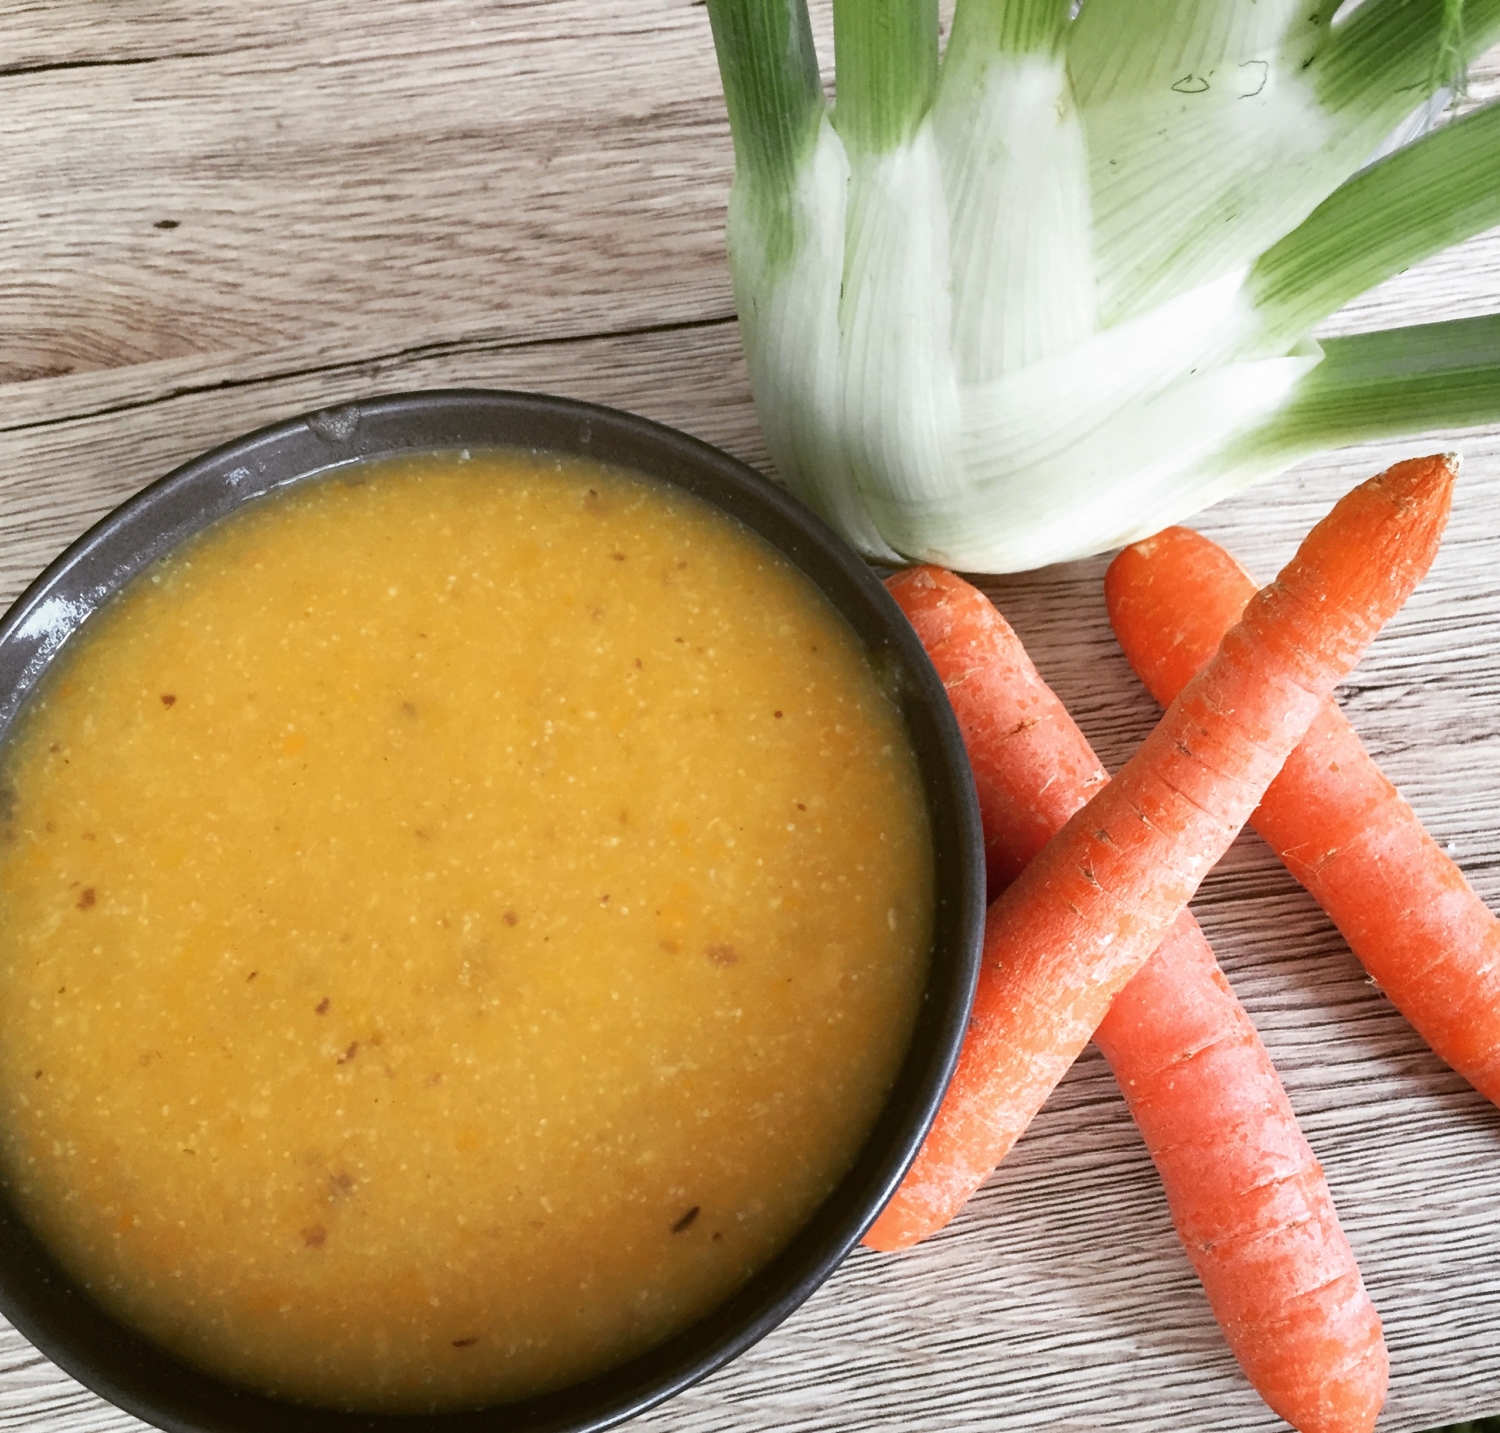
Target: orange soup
458,919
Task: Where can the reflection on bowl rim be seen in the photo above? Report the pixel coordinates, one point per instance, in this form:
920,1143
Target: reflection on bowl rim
133,1373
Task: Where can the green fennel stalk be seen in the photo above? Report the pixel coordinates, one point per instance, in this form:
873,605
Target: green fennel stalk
1052,289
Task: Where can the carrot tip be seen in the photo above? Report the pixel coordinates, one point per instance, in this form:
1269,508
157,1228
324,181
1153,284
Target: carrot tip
1417,475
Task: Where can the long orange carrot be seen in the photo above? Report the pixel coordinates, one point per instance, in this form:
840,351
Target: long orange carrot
1341,828
1247,1196
1082,918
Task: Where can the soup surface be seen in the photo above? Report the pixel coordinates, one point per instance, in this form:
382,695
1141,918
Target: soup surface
457,921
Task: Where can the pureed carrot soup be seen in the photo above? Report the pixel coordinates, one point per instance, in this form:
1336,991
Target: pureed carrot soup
457,921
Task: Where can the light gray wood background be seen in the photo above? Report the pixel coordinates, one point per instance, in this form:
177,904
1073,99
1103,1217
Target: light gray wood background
217,214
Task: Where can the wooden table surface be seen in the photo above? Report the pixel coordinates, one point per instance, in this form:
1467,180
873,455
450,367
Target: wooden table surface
218,214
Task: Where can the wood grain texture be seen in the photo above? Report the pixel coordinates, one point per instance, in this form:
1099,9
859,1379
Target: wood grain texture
418,193
392,178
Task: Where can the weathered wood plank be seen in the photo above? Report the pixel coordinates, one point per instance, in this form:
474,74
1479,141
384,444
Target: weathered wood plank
364,200
39,35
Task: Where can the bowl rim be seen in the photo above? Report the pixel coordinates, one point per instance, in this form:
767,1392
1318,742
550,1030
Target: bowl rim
133,1373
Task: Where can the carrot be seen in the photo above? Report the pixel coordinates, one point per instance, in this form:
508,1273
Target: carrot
1247,1195
1082,918
1341,828
1248,1199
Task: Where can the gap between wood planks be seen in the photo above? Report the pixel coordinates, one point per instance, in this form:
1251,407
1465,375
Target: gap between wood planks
446,348
45,67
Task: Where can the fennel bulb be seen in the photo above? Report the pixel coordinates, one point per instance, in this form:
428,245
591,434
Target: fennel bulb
1053,292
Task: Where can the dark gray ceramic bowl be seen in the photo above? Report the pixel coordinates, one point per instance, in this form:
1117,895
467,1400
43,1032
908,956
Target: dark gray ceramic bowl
132,1372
